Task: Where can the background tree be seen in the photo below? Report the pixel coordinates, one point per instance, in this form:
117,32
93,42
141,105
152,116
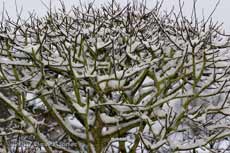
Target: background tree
114,79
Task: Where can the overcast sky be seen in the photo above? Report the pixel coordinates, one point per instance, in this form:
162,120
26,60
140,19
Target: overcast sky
206,6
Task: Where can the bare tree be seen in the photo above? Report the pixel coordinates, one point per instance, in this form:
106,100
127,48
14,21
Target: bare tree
114,79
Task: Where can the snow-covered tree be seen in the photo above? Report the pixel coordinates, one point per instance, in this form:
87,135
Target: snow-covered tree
114,79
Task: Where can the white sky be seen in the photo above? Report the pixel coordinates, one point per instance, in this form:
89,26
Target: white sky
206,6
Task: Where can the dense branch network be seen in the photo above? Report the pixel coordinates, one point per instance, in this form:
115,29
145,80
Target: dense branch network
114,79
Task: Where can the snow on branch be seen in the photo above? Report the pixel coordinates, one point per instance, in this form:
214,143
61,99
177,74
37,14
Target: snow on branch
114,79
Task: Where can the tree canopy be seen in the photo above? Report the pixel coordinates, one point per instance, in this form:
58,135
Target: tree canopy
114,79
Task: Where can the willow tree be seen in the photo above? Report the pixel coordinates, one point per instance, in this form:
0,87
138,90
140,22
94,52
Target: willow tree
113,79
